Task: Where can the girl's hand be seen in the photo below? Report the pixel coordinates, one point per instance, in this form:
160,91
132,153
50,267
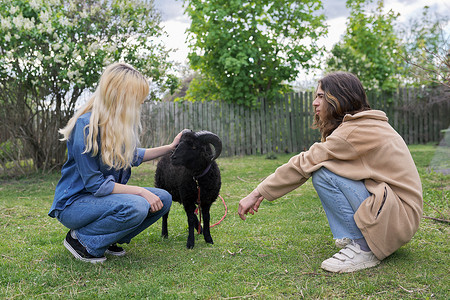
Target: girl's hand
250,204
154,201
176,140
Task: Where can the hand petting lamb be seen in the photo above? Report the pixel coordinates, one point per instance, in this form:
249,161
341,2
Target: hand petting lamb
191,170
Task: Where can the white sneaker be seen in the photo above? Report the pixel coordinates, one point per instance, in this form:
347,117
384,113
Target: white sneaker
341,243
350,259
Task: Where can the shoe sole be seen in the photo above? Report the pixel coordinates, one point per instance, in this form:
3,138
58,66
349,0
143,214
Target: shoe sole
121,253
361,266
341,243
78,256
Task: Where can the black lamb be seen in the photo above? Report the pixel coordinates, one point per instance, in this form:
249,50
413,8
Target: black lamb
190,168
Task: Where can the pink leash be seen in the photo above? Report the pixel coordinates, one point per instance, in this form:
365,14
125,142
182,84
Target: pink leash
226,210
198,211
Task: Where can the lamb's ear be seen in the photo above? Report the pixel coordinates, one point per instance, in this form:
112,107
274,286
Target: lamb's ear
211,138
186,131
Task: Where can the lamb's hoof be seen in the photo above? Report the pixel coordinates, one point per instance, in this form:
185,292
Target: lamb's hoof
165,236
190,245
209,240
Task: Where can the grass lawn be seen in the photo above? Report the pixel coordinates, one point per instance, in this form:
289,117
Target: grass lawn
275,254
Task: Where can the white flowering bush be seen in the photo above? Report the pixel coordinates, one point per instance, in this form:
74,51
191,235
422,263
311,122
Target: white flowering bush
52,51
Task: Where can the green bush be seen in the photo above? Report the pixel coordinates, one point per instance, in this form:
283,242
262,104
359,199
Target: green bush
11,150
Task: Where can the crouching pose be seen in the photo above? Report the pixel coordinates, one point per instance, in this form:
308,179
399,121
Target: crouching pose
92,198
362,171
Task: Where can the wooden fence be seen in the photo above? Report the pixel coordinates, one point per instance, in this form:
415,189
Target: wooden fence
418,115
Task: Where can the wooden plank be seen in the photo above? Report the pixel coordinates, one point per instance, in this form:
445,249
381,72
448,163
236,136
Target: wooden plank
232,134
401,113
270,120
248,142
263,137
254,131
308,134
245,131
416,115
224,125
241,130
251,131
410,117
228,127
301,127
288,125
296,128
279,131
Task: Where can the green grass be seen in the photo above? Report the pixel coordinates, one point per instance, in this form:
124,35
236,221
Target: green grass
275,254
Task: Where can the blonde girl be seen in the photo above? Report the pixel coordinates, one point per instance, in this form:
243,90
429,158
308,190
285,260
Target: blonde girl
92,197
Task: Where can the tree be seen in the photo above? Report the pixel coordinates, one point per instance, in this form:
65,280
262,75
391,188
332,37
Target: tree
427,50
370,48
245,49
51,52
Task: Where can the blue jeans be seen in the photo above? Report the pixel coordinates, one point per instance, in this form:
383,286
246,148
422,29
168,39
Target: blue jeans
99,222
340,198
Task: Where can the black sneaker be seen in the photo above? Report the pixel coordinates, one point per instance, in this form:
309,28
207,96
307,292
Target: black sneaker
79,251
115,250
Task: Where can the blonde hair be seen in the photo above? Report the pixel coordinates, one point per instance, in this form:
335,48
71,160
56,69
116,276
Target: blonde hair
115,114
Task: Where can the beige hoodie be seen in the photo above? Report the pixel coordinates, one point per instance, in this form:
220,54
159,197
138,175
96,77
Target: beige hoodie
364,147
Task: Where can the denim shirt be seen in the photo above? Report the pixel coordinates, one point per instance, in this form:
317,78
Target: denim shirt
84,174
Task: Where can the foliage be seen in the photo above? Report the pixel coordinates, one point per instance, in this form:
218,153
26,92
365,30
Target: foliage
10,150
427,48
370,48
249,49
51,52
275,254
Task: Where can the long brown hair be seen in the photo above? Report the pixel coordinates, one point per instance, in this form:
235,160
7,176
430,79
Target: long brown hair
344,94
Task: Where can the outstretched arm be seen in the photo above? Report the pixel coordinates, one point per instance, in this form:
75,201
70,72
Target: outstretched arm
153,153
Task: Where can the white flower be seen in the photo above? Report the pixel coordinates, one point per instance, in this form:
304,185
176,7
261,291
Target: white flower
55,2
5,24
111,48
93,47
73,74
13,10
18,21
7,37
44,16
59,59
64,21
56,47
28,24
80,81
65,48
35,4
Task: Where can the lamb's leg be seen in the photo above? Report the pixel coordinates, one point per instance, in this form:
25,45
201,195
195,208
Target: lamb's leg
196,225
164,231
191,218
206,220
